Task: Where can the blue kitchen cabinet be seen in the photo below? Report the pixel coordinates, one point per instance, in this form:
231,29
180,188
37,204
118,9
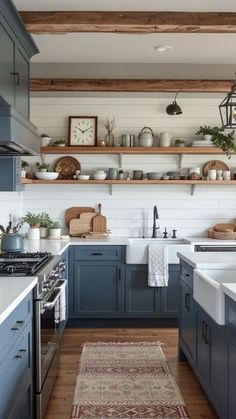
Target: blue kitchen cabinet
16,49
140,299
16,385
98,281
187,322
170,294
230,348
210,358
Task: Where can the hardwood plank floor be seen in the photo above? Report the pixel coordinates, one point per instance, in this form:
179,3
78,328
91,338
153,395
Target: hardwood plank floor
60,404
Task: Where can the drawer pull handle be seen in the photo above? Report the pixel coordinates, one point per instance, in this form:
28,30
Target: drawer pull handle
203,330
206,334
187,301
187,274
19,324
18,356
96,254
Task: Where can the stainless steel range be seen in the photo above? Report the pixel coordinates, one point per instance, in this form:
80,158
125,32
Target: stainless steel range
50,313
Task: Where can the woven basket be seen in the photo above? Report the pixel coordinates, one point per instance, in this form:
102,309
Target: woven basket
226,235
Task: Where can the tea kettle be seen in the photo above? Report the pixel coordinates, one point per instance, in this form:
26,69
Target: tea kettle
146,137
11,241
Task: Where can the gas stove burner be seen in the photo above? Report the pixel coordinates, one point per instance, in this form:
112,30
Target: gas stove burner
22,264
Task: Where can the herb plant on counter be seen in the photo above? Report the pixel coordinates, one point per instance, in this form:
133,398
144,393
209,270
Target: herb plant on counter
32,219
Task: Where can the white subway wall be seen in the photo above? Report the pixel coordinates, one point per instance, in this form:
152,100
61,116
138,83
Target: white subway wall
10,203
129,208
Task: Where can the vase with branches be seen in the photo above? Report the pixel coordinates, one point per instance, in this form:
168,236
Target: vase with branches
109,124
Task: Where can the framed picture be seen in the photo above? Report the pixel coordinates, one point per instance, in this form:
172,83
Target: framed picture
82,131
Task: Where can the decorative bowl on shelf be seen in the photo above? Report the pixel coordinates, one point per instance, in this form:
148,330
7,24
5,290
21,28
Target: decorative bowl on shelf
46,175
83,177
154,175
100,175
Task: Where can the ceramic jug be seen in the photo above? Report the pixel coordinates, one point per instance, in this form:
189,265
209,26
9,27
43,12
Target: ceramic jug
146,137
164,139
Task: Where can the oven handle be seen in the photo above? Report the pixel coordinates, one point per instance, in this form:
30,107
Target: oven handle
64,281
50,304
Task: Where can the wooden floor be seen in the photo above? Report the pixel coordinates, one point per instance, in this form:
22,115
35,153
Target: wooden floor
73,339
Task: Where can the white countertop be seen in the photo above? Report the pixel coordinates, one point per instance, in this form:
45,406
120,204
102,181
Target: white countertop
12,291
229,289
209,260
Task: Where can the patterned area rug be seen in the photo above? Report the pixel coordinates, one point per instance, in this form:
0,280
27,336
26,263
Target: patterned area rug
126,380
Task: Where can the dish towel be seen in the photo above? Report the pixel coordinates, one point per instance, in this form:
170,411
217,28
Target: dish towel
60,312
158,265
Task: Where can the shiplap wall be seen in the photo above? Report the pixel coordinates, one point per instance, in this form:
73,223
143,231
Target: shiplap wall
10,203
129,209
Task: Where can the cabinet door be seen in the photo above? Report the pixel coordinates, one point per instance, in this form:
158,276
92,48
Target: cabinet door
170,294
141,300
187,321
7,66
202,333
216,366
21,83
231,374
98,289
23,407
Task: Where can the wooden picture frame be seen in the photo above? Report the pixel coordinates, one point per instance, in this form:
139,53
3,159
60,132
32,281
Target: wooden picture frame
82,131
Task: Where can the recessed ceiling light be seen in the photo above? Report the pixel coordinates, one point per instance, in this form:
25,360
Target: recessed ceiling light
162,48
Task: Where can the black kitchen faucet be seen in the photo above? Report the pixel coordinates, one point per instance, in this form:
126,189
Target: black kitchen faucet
155,217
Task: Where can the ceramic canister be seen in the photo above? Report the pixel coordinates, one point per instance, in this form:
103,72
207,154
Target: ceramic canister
113,173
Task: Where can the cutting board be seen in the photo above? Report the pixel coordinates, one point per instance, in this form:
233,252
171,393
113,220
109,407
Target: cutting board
99,222
79,227
74,212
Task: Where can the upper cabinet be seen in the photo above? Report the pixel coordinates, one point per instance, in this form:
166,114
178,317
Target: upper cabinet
16,49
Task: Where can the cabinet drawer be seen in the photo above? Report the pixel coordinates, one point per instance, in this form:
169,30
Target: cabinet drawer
15,370
186,275
15,322
98,253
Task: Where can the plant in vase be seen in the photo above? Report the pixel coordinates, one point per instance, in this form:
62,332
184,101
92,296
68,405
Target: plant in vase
42,167
109,124
24,164
33,220
207,132
45,223
179,143
224,141
45,140
60,143
55,230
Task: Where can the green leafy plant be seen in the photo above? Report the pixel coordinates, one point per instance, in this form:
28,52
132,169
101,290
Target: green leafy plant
45,136
225,142
55,225
45,220
41,166
207,130
32,219
179,142
24,164
60,142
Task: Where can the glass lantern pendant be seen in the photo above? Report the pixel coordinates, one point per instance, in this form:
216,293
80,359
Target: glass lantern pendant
228,109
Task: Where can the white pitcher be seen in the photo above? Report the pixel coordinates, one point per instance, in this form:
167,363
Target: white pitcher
165,139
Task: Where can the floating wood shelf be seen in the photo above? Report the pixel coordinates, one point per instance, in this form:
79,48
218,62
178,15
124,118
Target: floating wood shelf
131,150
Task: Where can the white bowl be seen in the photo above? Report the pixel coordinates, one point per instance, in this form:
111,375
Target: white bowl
99,176
83,177
99,172
46,175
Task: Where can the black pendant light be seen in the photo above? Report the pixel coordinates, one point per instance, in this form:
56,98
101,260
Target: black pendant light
174,108
228,109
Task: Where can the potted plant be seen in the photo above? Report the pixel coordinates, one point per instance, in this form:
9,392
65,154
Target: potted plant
42,167
45,140
207,132
60,143
224,141
45,222
24,164
55,230
33,220
179,143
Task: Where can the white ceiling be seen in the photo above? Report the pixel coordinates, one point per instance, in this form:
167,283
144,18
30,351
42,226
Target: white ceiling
122,48
130,5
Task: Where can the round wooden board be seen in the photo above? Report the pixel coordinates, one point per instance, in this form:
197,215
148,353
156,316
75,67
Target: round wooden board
67,166
214,164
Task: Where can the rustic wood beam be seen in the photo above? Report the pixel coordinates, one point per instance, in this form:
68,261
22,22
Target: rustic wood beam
129,85
129,22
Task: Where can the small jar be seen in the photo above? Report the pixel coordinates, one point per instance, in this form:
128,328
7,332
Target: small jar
102,143
121,175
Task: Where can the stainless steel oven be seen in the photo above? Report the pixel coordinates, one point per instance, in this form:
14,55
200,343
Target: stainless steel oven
50,316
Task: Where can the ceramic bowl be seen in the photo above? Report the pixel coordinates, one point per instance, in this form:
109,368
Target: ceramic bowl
154,175
46,175
100,176
83,177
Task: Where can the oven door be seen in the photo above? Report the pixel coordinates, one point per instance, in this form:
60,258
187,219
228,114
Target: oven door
47,334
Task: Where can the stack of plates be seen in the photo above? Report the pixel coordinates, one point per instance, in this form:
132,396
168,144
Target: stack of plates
202,143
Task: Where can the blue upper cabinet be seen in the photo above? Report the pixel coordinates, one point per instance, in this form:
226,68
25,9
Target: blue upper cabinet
16,49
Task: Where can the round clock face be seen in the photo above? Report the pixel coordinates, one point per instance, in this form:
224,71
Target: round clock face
83,131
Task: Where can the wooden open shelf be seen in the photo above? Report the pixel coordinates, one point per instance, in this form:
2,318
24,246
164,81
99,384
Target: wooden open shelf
131,150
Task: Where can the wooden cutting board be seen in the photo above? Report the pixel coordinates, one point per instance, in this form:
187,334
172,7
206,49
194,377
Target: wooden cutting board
79,227
74,212
99,222
87,215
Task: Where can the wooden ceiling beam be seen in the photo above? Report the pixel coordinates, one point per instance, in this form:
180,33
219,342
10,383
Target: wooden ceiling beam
129,22
129,85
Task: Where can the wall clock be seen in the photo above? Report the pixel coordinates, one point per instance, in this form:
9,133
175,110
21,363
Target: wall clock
82,131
